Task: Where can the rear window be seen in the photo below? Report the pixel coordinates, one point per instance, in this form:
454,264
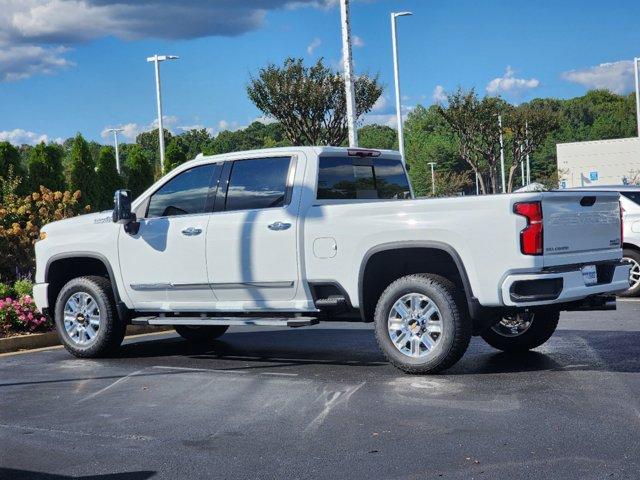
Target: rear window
633,196
344,178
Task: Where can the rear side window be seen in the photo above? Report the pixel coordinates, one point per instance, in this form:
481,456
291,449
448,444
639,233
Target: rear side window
344,178
184,194
259,183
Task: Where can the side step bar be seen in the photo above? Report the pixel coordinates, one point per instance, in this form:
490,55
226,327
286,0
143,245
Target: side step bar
241,321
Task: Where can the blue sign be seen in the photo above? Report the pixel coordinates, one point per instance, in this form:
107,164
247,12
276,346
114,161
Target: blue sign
563,184
593,176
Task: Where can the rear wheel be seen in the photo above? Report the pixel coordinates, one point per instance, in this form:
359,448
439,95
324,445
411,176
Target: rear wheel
201,334
522,331
633,257
420,325
86,317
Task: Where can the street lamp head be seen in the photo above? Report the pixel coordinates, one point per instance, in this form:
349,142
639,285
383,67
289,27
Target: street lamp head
402,14
162,58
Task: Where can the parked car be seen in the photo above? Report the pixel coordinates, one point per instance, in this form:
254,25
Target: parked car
630,201
291,236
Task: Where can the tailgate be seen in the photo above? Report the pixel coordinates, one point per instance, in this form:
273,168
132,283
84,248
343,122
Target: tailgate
577,222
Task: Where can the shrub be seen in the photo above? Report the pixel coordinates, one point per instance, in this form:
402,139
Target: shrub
5,290
18,316
22,288
20,221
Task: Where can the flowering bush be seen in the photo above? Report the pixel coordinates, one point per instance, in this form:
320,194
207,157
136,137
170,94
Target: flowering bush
19,316
20,221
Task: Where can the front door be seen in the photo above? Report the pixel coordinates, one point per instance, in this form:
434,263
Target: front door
163,265
252,237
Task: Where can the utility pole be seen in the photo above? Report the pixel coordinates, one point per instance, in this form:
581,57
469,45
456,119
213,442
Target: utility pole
504,188
521,165
115,132
349,86
396,74
433,179
636,64
156,59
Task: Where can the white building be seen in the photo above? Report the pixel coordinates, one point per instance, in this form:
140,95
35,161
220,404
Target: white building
601,162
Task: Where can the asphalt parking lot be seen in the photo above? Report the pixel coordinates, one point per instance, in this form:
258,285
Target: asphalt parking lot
322,402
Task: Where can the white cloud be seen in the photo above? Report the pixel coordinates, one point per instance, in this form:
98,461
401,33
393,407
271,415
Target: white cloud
132,130
19,136
357,41
315,43
616,77
389,119
381,104
265,120
439,95
509,84
22,61
34,34
197,126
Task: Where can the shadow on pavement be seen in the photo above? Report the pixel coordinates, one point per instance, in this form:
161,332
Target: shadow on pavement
578,349
12,474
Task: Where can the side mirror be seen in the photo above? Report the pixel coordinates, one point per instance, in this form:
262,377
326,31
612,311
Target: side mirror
122,211
122,207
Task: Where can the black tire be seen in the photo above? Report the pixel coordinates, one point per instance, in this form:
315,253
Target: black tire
202,334
543,324
111,329
456,326
634,256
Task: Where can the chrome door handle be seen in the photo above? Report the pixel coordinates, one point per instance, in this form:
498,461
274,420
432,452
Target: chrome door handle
191,231
279,226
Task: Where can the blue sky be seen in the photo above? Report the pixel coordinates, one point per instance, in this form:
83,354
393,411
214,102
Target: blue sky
79,65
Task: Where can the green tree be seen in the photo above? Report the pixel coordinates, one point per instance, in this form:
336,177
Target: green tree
45,168
11,167
107,178
195,141
140,171
149,143
174,155
82,171
310,102
378,136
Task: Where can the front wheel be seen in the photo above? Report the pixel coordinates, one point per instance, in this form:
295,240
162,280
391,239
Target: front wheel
86,317
420,324
522,331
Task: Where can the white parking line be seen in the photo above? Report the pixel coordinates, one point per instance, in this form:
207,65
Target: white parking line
188,369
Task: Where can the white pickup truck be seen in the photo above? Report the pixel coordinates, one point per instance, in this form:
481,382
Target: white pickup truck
292,236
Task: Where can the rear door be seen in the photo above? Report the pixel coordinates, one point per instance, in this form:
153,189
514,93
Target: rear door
583,225
251,249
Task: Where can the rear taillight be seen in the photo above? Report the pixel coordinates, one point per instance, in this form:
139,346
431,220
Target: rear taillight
531,238
621,224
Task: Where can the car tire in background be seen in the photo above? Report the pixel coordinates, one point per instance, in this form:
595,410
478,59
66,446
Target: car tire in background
421,325
633,257
86,317
522,331
203,334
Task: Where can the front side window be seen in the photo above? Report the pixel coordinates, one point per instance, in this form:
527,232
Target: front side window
341,178
258,183
184,194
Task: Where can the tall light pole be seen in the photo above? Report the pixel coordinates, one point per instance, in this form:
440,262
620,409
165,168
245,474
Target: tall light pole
526,141
504,188
396,72
156,59
433,178
636,64
350,93
115,132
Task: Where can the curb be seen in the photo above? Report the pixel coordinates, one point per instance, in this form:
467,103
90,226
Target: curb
50,339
